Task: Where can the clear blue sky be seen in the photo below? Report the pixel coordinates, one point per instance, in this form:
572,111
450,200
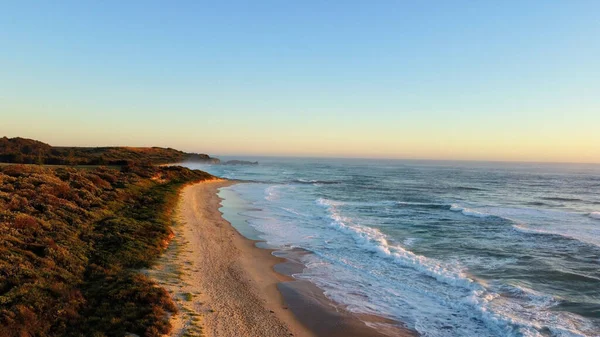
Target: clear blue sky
503,80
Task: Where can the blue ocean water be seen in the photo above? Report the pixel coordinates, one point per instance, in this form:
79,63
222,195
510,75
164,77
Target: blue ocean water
449,248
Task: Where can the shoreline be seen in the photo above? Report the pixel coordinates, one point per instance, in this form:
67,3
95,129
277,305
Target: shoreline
224,285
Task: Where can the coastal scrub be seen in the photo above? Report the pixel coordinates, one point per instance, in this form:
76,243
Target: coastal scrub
72,242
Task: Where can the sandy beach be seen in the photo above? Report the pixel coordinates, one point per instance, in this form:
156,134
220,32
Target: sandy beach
225,286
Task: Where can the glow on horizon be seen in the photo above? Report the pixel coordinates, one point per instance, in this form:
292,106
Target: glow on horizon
518,81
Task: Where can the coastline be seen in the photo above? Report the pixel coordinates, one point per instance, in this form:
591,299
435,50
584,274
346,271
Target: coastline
224,285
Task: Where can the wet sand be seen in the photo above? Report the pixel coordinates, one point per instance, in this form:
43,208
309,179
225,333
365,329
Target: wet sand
225,286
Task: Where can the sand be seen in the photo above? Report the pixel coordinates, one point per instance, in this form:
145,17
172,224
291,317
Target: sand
225,286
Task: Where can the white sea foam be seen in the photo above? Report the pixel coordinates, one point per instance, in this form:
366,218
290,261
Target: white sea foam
293,211
456,208
595,215
485,262
525,229
469,212
271,192
315,181
329,203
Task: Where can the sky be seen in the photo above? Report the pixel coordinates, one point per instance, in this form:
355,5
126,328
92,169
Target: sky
466,80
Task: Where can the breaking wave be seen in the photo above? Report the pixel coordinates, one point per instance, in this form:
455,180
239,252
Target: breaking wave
469,212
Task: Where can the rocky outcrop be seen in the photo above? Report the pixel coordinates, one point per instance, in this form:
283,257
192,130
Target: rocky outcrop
201,158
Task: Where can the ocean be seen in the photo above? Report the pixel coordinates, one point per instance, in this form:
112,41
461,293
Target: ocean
448,248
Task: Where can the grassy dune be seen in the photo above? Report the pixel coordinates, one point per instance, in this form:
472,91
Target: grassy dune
71,242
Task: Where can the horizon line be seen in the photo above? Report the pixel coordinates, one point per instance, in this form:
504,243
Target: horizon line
407,159
317,156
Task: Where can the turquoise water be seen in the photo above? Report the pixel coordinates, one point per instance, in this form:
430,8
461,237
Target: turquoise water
449,248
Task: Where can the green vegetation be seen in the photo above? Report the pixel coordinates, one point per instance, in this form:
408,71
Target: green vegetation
188,296
28,151
72,242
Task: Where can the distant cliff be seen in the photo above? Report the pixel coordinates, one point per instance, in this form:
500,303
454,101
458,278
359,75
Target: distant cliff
28,151
201,158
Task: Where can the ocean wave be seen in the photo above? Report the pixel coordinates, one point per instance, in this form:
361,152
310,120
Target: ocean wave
522,228
469,212
561,199
410,241
374,241
534,298
329,202
516,319
486,262
595,215
315,182
293,211
503,318
422,204
538,203
466,188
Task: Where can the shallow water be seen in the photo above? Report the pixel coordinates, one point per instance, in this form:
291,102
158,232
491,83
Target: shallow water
450,248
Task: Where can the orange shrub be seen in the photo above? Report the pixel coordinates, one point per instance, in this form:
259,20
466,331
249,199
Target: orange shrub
25,221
